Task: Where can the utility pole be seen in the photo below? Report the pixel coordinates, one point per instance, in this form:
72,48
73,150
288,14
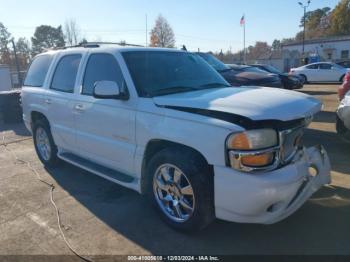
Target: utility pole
17,63
304,6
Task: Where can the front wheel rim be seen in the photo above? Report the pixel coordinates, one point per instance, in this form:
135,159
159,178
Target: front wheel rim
174,193
43,143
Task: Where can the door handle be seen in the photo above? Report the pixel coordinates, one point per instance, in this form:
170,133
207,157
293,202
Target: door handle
79,107
48,101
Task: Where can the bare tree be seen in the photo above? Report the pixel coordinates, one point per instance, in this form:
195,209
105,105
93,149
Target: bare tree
162,35
72,32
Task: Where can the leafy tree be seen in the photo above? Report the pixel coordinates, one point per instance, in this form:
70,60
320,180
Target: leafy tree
23,52
260,48
5,38
162,35
276,44
340,19
46,37
72,32
316,24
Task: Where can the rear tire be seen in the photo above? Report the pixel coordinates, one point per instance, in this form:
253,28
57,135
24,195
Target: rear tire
44,145
176,206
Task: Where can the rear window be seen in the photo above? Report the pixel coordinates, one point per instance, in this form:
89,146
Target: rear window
38,70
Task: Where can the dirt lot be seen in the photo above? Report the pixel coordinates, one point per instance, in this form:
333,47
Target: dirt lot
102,218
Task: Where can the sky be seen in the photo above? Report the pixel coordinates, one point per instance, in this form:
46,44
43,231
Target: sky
210,25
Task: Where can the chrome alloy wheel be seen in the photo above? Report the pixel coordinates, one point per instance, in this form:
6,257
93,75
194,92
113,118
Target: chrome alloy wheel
174,193
43,143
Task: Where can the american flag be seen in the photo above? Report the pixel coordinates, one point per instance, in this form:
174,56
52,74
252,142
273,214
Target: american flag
242,21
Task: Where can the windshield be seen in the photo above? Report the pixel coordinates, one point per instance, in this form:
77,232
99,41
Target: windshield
214,62
164,72
272,69
252,69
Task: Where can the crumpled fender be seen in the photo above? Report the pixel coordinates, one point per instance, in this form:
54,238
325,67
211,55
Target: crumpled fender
344,111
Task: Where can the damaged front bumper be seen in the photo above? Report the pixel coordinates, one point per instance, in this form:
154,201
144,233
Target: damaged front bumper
343,111
270,197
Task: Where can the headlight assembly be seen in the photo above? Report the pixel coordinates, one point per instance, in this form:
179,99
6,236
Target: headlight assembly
253,149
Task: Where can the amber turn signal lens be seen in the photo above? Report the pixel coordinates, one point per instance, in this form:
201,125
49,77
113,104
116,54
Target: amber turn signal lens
239,142
258,160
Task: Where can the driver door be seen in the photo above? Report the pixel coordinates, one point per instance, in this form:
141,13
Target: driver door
105,127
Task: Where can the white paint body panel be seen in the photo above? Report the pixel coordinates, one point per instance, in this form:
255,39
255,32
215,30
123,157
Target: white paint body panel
115,133
321,75
344,110
260,103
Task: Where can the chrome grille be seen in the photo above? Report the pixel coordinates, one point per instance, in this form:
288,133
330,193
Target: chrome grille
290,142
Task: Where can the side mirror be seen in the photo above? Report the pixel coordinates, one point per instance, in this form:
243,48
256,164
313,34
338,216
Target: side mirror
108,90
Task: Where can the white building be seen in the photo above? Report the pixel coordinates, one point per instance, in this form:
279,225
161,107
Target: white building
332,49
5,78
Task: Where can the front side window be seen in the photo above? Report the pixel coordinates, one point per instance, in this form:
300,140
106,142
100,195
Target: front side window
102,67
38,70
164,72
66,73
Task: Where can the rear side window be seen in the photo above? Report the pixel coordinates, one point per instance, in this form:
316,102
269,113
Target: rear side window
38,70
312,66
66,73
325,66
102,67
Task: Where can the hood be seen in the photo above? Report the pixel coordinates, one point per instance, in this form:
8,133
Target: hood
258,103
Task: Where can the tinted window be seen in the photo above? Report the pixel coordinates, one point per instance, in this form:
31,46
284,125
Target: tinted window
102,67
38,70
312,66
162,72
66,73
325,66
214,62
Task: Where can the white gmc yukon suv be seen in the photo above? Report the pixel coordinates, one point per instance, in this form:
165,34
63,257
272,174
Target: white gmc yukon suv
164,123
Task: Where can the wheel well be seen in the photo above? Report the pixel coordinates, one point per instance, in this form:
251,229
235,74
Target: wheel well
303,76
35,116
157,145
342,78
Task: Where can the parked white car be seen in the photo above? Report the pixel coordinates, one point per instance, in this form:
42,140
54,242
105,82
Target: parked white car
166,124
320,72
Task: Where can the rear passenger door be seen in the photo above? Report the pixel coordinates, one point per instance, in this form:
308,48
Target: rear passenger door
105,127
327,73
60,101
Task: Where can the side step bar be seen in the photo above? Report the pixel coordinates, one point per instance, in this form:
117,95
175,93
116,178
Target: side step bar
97,169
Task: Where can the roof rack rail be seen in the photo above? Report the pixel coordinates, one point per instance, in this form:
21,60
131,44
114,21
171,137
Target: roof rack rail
93,45
97,44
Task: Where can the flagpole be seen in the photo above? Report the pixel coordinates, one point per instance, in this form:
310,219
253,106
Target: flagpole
244,51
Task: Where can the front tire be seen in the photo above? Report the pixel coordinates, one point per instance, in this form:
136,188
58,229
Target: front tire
44,144
180,184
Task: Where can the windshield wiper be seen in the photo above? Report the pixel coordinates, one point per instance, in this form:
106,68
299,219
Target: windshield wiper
213,85
173,90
